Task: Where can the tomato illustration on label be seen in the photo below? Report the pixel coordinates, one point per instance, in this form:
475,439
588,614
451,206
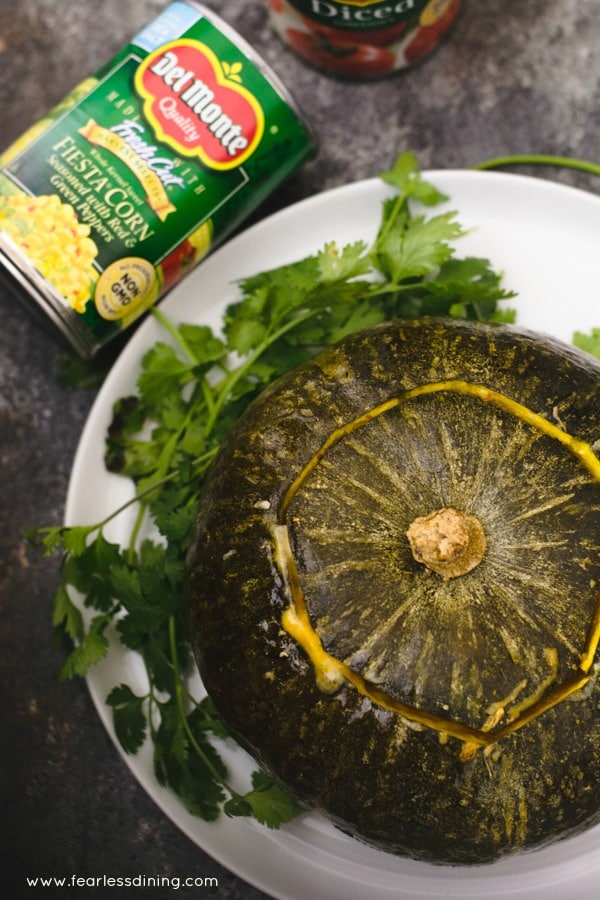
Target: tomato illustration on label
340,57
187,255
377,37
362,38
198,105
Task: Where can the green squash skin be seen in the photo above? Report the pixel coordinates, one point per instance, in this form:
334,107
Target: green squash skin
388,782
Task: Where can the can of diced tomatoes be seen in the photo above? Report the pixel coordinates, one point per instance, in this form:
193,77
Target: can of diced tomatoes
147,165
362,39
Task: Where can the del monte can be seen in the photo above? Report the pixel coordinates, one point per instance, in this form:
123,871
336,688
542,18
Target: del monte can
362,39
141,170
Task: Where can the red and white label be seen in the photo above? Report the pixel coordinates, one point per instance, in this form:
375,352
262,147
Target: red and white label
198,105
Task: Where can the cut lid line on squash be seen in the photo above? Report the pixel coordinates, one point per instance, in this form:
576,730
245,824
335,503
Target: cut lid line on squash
331,672
581,449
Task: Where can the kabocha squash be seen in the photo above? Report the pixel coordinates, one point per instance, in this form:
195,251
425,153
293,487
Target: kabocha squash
394,587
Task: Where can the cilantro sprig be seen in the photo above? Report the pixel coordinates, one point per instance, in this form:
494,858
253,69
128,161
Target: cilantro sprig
191,388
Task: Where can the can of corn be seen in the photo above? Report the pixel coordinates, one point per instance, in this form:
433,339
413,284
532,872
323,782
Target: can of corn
141,170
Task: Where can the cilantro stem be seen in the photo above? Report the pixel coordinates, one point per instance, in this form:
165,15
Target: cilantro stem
139,519
226,386
179,698
175,334
399,204
170,447
540,159
201,462
207,394
231,378
98,526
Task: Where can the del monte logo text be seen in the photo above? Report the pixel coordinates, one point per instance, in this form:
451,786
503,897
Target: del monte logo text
198,106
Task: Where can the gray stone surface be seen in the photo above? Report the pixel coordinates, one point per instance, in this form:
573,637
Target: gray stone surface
513,78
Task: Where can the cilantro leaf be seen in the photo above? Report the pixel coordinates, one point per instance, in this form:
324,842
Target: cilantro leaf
589,342
72,540
416,246
92,647
129,717
245,333
352,262
406,178
195,771
88,572
203,346
268,802
163,372
66,615
204,717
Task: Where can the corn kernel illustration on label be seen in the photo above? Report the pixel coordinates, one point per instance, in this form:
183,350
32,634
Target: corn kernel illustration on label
143,169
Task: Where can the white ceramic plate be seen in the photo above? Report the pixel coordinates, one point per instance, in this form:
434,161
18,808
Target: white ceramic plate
544,237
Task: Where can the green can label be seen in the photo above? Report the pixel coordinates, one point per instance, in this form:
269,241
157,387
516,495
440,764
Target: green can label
143,169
